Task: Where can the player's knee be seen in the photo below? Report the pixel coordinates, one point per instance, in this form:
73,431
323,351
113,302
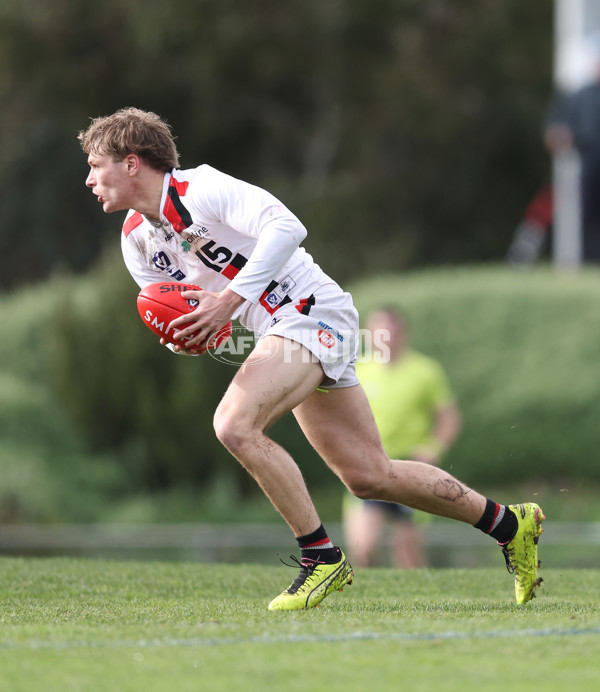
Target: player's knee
366,485
229,431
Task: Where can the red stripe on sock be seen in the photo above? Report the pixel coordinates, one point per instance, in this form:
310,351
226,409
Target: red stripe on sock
491,526
324,541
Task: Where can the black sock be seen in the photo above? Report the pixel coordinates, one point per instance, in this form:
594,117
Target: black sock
317,546
498,521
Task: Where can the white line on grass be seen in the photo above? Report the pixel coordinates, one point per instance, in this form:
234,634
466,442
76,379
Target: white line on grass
294,639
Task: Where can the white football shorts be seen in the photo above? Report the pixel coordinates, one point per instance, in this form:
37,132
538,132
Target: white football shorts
327,325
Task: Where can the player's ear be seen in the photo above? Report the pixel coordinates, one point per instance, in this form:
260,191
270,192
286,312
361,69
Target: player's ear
133,164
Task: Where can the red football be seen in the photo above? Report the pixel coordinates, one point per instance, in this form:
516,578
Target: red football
160,303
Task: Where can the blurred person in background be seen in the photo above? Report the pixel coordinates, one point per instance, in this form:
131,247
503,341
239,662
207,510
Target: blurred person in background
532,233
418,418
572,123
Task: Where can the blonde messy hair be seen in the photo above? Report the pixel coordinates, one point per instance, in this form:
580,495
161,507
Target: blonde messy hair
132,131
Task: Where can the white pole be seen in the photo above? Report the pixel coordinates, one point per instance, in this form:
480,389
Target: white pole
566,172
569,25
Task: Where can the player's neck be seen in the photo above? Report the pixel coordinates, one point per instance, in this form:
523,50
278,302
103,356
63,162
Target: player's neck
149,194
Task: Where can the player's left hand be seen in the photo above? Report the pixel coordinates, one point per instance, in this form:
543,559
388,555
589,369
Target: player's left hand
213,312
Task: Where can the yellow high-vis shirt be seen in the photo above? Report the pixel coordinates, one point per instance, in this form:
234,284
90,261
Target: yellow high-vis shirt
405,396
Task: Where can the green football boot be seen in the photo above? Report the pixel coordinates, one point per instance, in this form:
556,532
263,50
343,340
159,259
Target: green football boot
315,581
521,552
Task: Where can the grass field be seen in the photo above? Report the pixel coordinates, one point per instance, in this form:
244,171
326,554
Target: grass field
74,624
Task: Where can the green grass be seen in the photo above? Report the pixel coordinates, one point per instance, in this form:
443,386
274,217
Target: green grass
72,624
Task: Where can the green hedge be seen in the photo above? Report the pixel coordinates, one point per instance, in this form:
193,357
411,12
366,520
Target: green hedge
522,350
93,412
127,393
48,472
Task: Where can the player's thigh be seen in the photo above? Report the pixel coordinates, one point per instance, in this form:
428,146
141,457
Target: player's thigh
340,426
272,381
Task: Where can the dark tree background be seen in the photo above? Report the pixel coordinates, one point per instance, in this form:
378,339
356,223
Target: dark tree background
402,132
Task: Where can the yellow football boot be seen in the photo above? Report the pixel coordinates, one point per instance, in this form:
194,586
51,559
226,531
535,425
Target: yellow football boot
521,552
315,581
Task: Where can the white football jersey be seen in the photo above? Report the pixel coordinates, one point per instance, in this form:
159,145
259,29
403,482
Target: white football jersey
217,231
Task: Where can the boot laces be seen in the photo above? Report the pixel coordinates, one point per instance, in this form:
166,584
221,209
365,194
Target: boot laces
307,567
507,557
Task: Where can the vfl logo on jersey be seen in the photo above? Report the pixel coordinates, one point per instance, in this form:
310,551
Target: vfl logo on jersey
161,261
276,294
326,339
